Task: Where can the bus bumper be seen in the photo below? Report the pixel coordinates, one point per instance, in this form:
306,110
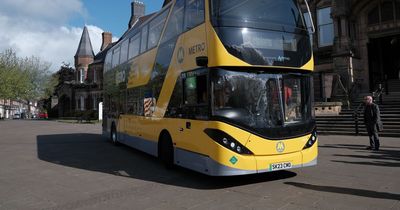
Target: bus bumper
207,165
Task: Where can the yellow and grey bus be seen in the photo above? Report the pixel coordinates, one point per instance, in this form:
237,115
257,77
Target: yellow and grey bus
222,87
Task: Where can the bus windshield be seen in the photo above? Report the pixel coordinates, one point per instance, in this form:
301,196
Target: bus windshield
265,103
257,13
263,32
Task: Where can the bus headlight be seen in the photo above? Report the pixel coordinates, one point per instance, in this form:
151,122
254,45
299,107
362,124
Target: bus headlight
312,139
227,141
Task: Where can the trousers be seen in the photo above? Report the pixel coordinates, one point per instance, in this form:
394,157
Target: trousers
373,135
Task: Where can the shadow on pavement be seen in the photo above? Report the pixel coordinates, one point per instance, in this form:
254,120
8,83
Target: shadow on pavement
348,191
387,158
343,146
92,152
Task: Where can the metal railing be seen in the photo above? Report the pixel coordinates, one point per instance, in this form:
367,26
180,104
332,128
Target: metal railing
377,94
356,116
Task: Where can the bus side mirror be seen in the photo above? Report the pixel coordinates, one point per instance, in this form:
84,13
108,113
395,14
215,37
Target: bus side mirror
202,61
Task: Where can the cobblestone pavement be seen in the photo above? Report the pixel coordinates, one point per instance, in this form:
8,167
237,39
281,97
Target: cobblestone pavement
53,165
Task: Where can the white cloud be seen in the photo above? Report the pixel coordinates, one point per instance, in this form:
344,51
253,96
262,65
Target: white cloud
45,10
39,28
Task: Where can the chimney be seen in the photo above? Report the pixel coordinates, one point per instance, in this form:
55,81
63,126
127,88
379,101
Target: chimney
137,11
107,39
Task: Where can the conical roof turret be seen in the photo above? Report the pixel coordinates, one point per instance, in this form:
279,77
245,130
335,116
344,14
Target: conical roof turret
85,46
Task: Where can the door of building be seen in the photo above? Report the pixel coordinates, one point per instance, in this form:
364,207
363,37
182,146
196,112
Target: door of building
384,61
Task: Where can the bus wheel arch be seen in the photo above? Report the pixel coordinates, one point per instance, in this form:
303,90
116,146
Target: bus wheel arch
166,149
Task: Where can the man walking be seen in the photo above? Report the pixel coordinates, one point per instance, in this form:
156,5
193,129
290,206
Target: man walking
372,120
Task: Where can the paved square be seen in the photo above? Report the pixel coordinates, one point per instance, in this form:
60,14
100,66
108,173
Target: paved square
51,165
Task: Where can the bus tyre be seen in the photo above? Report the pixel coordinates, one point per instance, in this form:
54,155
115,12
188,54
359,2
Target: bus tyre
166,151
114,136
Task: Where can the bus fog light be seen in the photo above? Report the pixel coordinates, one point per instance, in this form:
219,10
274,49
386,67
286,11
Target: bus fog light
313,138
233,145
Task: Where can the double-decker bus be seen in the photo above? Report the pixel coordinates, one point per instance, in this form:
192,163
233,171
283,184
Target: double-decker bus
222,87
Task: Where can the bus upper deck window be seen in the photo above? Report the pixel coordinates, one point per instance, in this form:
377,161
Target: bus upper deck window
194,14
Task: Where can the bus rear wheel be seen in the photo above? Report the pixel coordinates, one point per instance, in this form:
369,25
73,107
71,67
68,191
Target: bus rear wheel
166,151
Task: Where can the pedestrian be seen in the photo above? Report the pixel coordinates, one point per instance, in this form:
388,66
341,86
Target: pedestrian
373,123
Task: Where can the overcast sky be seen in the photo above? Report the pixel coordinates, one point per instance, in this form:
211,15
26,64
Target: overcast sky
51,29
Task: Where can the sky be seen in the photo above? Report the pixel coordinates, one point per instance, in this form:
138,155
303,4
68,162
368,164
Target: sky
51,29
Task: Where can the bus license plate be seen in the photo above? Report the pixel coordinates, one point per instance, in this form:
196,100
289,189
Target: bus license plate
280,166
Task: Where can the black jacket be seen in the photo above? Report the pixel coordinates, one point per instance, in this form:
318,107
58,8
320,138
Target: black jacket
372,114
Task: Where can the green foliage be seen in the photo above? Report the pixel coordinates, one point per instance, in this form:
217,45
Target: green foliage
24,78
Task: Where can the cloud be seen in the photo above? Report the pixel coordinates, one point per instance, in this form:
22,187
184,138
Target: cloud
40,28
44,10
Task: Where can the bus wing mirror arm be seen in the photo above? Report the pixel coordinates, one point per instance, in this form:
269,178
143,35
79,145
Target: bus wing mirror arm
202,61
311,19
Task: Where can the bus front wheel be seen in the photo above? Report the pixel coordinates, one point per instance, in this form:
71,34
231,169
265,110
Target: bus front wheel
166,151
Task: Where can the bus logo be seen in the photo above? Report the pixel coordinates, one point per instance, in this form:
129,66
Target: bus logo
181,55
280,147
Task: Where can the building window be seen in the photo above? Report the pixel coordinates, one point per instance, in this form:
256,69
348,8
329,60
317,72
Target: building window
398,10
387,12
384,12
82,103
94,76
373,16
94,103
81,75
325,27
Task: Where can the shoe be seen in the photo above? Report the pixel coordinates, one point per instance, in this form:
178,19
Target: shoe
376,149
369,148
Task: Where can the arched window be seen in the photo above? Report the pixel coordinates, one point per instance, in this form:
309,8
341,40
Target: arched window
373,16
387,11
81,75
384,12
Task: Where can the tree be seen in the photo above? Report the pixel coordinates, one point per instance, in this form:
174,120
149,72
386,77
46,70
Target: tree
24,78
9,76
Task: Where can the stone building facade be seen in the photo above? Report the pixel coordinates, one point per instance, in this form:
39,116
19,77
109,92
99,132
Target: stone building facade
356,47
